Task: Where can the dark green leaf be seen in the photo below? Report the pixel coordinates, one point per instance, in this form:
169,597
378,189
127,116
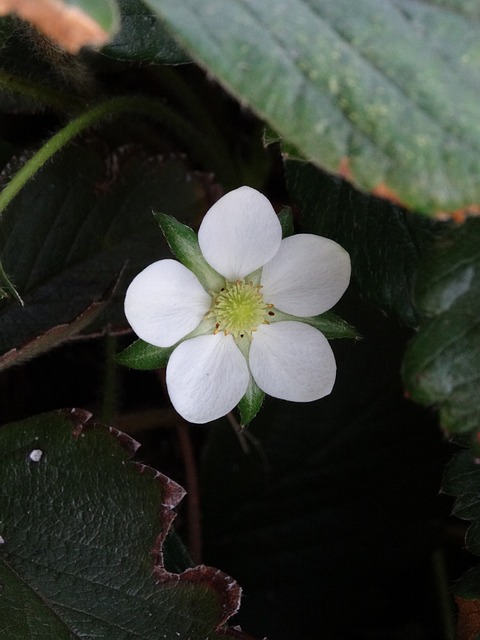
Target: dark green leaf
82,530
70,232
371,92
442,364
385,242
286,220
468,586
142,37
141,355
462,480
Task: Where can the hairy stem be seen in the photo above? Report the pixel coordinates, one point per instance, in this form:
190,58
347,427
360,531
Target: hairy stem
182,129
7,289
109,108
37,92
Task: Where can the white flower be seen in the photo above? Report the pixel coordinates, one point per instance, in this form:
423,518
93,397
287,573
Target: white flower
248,320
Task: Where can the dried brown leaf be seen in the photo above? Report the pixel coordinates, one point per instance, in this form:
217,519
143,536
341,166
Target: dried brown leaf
69,26
468,626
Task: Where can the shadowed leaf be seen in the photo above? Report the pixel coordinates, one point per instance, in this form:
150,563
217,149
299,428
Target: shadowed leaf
442,363
70,232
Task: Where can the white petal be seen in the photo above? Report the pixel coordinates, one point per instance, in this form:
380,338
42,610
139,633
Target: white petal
307,276
240,233
165,302
206,377
292,361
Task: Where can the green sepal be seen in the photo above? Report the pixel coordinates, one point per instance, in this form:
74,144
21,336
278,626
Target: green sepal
331,325
183,242
142,355
286,220
251,403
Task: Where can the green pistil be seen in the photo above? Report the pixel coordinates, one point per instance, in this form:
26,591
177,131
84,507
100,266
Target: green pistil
239,308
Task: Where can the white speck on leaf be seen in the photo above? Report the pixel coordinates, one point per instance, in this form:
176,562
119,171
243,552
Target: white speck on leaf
35,455
2,540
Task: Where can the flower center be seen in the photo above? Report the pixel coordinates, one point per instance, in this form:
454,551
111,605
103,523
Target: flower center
239,308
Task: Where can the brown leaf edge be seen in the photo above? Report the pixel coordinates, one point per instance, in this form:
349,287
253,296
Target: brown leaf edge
227,590
384,191
55,336
381,190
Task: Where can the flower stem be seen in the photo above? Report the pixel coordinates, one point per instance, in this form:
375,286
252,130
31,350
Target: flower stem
193,492
109,396
109,108
51,147
444,595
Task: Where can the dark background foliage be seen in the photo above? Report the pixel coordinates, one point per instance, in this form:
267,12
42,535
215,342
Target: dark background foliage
328,513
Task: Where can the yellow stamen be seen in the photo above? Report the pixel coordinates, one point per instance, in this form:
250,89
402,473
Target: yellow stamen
239,308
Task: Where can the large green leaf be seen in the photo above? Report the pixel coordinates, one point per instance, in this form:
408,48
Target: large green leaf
142,37
385,242
81,536
442,364
70,232
462,480
104,12
371,89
